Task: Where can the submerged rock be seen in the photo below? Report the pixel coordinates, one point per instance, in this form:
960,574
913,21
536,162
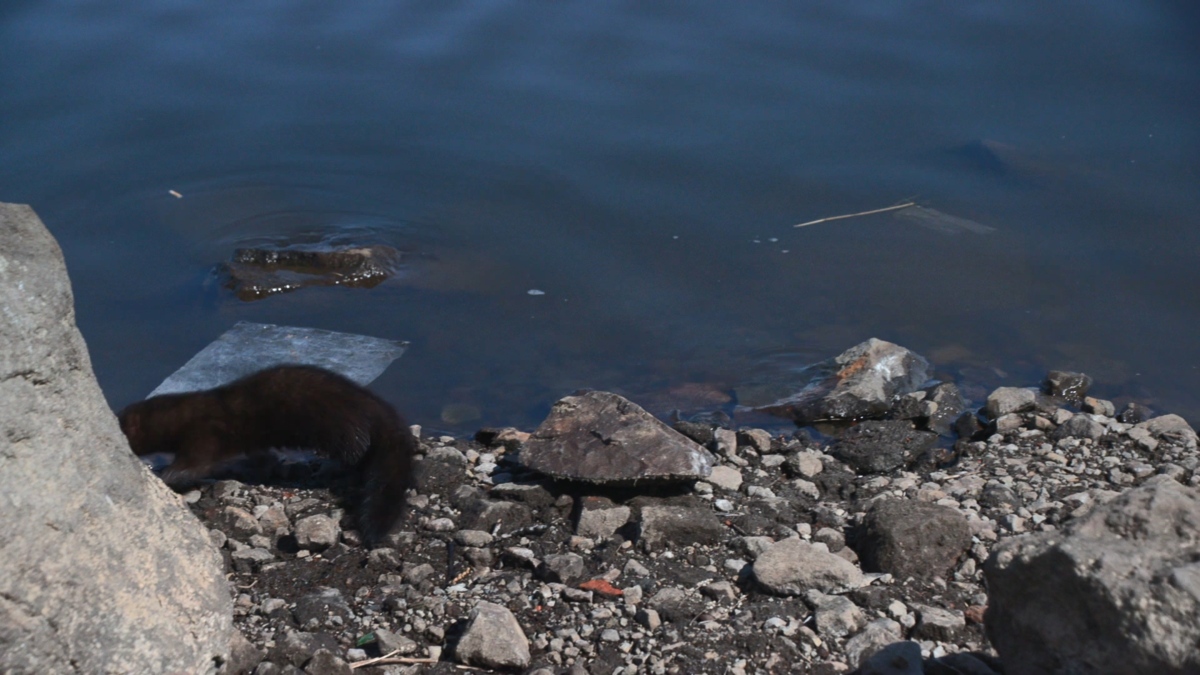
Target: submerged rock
255,273
600,437
859,383
1067,385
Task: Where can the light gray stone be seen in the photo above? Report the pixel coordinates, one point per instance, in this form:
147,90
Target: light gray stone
1114,591
1171,429
493,639
102,568
317,532
835,615
793,566
936,623
601,518
726,477
1005,400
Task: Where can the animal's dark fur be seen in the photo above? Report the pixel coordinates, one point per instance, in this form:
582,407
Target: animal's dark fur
284,407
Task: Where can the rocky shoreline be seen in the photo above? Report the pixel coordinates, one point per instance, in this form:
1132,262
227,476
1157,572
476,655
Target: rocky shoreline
879,551
1041,531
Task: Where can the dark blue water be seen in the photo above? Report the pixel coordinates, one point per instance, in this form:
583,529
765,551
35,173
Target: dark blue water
640,164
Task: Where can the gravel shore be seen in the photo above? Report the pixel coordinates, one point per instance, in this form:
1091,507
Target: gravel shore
770,565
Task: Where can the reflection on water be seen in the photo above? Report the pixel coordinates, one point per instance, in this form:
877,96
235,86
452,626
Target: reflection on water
642,165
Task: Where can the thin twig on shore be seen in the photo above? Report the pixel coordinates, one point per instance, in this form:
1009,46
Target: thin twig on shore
390,659
897,207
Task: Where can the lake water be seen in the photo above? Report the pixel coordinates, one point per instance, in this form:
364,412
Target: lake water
640,164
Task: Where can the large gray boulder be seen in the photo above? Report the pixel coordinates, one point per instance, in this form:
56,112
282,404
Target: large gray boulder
1115,591
102,569
600,437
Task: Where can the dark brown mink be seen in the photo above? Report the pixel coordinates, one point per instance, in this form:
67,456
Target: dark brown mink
287,406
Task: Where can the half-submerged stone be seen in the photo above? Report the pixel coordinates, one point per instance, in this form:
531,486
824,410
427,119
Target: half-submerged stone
859,383
600,437
255,273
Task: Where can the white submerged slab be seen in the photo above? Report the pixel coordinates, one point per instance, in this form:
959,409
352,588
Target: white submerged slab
250,347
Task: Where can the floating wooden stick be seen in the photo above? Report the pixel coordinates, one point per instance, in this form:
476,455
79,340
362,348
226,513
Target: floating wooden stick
897,207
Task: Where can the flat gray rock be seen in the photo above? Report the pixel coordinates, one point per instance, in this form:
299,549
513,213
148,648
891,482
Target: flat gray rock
1115,591
600,437
859,383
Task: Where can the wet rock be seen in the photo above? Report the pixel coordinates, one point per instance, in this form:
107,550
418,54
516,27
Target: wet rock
859,383
1135,413
948,405
794,566
662,526
256,273
600,437
1117,590
879,447
912,539
1007,400
493,639
967,425
1066,385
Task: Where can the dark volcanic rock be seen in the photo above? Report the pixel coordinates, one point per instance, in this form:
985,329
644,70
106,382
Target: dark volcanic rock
601,437
1115,591
255,273
912,539
859,383
1067,385
878,447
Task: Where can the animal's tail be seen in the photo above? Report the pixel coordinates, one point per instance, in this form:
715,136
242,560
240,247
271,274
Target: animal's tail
386,474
